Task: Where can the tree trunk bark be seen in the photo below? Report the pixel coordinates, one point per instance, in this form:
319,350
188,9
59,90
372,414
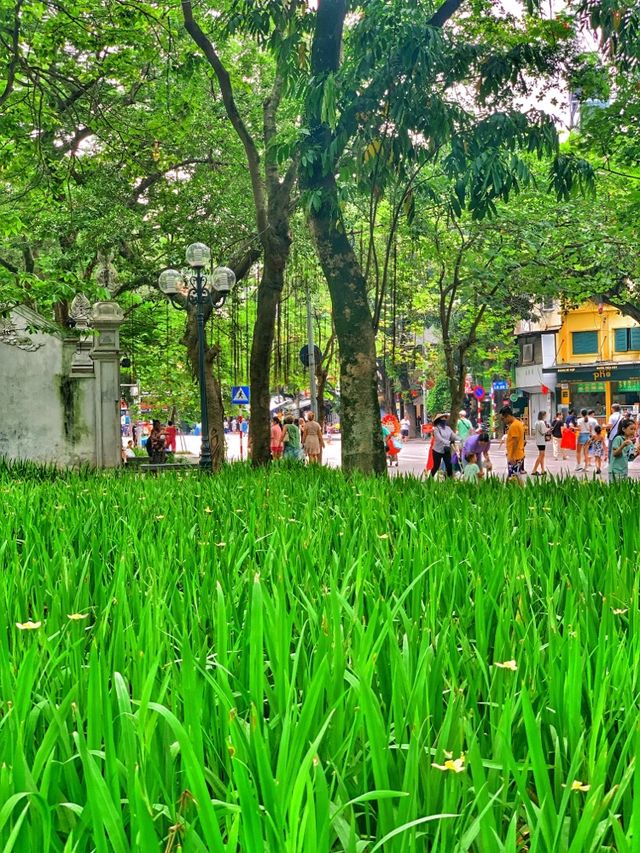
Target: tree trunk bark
409,407
387,390
215,406
362,447
455,380
276,253
322,372
61,313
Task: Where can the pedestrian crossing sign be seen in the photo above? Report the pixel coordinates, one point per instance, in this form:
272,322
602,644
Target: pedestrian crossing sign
240,395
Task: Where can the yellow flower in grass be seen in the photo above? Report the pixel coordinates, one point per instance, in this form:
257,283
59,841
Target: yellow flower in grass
620,611
76,617
507,664
453,765
579,786
28,626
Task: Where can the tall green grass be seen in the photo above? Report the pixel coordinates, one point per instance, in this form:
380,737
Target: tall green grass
284,660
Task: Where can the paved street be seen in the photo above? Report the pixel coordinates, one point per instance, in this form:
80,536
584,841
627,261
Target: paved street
413,457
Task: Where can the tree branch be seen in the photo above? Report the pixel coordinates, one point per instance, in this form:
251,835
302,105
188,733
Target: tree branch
154,177
226,89
15,54
269,111
446,11
9,266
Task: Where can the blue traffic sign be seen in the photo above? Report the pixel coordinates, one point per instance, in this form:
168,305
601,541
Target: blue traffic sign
479,392
240,395
500,385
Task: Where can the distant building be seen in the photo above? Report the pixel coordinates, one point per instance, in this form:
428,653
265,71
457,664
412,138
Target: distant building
598,359
535,374
586,357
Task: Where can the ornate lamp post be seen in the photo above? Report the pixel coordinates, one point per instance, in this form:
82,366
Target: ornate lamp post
199,289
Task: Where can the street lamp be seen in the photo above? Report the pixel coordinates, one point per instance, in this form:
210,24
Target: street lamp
199,289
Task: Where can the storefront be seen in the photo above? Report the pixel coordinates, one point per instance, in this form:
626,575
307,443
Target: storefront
535,392
598,386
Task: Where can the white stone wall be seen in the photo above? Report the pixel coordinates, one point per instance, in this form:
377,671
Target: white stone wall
45,415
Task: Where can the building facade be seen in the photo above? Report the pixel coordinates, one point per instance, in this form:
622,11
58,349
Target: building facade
598,359
585,357
535,373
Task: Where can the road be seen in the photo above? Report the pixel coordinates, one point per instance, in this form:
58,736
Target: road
413,457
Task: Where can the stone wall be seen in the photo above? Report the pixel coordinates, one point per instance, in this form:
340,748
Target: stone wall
53,398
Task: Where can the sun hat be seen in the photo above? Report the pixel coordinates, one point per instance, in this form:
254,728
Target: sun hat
440,416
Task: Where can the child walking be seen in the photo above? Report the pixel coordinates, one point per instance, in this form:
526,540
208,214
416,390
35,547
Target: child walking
622,451
472,472
597,448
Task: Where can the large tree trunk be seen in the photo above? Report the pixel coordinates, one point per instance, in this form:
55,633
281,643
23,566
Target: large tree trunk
272,199
362,447
276,253
455,380
215,408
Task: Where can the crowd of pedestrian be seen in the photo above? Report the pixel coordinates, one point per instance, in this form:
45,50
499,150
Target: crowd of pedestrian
296,438
465,451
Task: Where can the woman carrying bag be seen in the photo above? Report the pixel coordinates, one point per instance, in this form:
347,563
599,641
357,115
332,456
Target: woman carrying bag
291,440
443,438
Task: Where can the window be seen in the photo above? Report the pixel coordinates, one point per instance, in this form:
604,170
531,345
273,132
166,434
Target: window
548,303
527,353
627,339
584,343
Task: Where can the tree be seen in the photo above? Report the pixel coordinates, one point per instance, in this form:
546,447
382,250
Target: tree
272,196
383,96
472,288
114,148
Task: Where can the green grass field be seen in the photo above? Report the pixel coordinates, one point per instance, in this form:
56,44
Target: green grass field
290,661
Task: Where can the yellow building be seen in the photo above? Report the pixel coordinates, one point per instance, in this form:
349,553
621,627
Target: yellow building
598,359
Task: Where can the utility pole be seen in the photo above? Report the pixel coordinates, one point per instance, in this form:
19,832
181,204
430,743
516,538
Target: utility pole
312,355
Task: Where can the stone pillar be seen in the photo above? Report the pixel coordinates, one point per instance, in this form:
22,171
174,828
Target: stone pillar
107,317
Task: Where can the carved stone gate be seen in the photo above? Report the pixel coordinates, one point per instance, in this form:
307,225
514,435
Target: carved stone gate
60,396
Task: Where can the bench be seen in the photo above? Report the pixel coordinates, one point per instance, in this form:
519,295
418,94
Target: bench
135,462
150,467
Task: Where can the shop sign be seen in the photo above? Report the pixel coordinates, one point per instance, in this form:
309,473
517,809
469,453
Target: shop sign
628,385
599,373
590,387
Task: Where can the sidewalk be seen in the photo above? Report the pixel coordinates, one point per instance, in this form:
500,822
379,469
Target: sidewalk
412,458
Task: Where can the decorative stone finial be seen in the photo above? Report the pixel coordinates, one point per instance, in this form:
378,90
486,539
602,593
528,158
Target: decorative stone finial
80,311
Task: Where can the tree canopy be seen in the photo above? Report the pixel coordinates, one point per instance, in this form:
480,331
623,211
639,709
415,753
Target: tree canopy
385,136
